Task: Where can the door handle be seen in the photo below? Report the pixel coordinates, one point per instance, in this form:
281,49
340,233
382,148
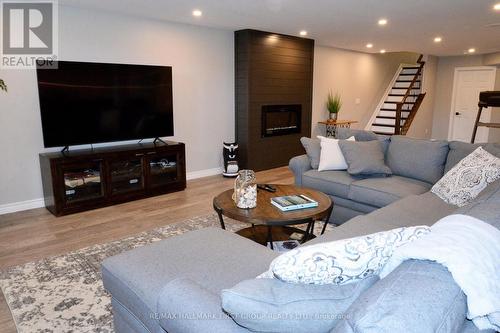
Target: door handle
457,113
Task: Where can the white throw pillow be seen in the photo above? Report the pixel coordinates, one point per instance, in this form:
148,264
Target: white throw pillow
331,157
342,261
468,178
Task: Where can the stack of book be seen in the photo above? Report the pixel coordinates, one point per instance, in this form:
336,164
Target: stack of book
293,202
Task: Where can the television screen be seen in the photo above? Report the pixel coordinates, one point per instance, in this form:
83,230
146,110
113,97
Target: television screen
83,103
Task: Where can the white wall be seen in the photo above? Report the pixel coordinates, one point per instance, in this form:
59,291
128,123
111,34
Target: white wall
353,75
444,90
203,89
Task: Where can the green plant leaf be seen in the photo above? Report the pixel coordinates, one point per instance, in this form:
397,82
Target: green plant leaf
333,102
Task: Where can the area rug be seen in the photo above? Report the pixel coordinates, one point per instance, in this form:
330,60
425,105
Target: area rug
65,293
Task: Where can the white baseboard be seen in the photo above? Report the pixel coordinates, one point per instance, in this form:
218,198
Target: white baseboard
203,173
21,205
38,203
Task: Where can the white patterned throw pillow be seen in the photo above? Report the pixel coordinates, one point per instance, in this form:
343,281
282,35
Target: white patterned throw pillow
341,261
468,178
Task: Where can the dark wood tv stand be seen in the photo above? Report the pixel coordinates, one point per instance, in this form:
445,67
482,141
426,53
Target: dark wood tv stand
79,180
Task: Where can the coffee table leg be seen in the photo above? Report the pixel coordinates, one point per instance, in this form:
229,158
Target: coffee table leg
221,219
327,219
270,236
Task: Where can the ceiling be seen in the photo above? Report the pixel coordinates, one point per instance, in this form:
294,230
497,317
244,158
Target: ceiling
349,24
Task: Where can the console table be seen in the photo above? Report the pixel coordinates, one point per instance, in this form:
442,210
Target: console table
79,180
332,125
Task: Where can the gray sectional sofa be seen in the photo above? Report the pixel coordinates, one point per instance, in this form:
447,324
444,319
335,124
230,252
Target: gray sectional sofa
175,285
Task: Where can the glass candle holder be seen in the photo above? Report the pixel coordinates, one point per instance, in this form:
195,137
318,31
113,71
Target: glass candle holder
245,189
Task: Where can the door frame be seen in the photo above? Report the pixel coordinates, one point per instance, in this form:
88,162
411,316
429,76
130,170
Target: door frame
454,92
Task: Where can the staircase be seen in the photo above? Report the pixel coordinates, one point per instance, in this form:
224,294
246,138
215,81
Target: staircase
401,102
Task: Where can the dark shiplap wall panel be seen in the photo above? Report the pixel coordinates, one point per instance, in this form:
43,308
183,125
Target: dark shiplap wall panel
271,69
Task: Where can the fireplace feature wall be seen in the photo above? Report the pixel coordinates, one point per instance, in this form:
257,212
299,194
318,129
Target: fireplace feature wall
281,119
274,76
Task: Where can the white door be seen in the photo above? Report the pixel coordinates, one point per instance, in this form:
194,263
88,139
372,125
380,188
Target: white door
468,83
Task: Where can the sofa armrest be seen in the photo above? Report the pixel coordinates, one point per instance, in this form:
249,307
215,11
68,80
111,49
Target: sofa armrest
299,165
185,306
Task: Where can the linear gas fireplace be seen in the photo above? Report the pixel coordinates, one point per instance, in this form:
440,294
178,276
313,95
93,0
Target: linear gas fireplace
281,119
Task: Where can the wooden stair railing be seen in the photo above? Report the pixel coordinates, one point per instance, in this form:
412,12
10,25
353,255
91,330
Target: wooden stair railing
398,129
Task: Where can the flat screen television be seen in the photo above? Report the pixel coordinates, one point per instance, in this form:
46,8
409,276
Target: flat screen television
83,103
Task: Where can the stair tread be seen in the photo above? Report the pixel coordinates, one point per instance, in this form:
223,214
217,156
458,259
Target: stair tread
407,74
383,125
401,95
389,117
394,110
407,80
382,133
392,102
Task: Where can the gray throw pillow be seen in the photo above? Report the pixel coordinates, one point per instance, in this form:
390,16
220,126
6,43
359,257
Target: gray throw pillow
271,305
313,150
416,158
360,135
364,158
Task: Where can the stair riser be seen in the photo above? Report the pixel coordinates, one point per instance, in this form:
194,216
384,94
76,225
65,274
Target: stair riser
385,130
392,114
405,85
403,91
410,71
387,121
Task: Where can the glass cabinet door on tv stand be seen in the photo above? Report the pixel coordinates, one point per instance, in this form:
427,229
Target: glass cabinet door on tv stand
126,175
163,168
82,182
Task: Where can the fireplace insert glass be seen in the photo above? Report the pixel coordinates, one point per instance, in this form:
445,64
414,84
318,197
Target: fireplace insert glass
281,119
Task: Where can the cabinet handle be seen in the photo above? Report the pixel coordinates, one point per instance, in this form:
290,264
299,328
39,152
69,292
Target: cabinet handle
151,152
139,154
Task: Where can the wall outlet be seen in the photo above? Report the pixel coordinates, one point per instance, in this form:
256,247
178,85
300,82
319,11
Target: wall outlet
357,101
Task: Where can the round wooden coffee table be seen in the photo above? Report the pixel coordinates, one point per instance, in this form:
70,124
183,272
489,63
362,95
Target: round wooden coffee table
268,223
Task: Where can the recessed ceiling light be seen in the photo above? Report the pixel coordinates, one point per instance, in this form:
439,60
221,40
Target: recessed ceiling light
303,33
382,21
471,50
382,51
496,6
197,13
437,39
369,45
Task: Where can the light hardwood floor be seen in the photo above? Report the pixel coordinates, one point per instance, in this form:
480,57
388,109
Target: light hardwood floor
31,235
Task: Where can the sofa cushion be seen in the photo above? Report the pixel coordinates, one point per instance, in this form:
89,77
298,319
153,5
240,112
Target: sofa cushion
270,305
329,182
364,158
313,150
459,150
360,135
418,296
423,209
419,159
380,192
136,277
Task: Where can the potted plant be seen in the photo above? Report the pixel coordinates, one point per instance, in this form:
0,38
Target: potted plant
3,86
333,105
